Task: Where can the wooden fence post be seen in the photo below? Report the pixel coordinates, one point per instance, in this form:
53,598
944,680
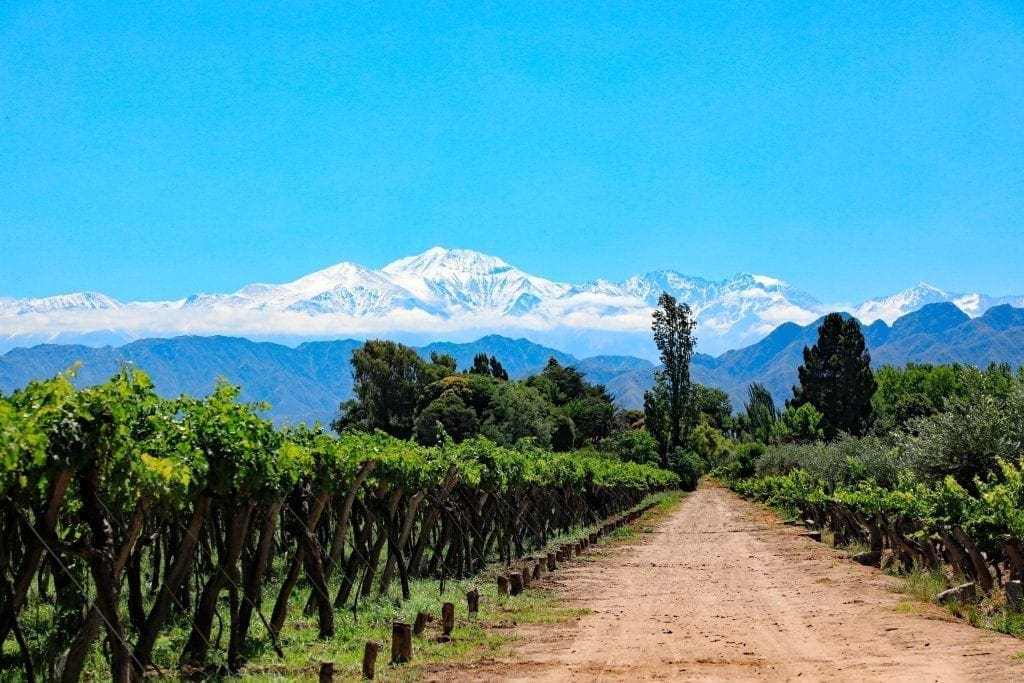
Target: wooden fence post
447,618
370,659
401,642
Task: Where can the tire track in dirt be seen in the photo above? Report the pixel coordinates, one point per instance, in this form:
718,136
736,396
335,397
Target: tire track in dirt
720,590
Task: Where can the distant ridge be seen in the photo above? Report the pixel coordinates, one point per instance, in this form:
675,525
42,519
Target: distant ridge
306,383
458,294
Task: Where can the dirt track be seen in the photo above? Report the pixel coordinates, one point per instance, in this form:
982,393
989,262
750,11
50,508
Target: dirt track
721,591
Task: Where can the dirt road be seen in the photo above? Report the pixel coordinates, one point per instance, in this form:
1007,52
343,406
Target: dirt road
721,591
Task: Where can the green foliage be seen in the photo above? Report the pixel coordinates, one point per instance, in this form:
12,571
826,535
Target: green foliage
633,445
917,390
801,424
836,378
710,444
689,467
517,411
656,415
741,462
488,367
449,415
388,377
712,405
761,413
967,439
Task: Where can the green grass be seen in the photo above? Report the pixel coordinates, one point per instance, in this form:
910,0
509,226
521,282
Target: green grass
922,586
991,612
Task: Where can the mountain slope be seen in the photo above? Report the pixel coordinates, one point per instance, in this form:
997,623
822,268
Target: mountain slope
307,382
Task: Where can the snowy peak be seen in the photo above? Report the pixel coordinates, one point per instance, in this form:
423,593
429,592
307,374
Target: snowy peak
80,301
455,292
440,263
892,307
465,280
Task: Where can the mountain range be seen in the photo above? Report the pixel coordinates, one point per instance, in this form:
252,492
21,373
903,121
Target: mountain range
459,295
306,383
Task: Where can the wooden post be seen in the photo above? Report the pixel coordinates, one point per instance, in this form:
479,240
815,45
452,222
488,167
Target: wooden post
326,672
370,659
593,539
1014,594
401,642
536,571
502,585
421,623
552,566
448,617
473,603
517,582
526,576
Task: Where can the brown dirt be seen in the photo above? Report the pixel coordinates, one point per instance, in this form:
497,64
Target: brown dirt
721,590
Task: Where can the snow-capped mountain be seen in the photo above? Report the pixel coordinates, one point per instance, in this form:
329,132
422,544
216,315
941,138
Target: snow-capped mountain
462,280
897,305
455,294
80,301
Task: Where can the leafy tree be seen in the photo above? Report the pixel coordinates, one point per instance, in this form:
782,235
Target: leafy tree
387,378
488,366
974,431
713,406
565,383
448,411
689,466
836,378
710,444
592,416
800,424
761,412
517,411
673,325
497,371
633,445
656,417
916,390
441,365
563,438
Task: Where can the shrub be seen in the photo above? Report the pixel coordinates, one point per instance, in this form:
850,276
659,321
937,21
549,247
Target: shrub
688,466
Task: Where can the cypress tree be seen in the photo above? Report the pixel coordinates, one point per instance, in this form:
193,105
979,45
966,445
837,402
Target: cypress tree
836,377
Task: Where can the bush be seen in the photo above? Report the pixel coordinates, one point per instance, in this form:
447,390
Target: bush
741,462
688,466
633,445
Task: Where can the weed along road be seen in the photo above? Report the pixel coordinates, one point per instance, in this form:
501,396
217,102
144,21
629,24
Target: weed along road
720,590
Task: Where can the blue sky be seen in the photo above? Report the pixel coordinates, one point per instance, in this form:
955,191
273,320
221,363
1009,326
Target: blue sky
159,149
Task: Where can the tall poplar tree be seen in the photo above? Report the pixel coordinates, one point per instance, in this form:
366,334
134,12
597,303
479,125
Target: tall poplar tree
673,325
836,377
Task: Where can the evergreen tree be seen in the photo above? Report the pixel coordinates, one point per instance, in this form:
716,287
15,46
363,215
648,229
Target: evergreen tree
836,378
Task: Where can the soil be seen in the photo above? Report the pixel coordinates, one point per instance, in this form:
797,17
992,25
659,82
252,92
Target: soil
722,590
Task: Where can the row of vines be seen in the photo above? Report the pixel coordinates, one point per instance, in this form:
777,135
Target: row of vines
978,533
132,513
